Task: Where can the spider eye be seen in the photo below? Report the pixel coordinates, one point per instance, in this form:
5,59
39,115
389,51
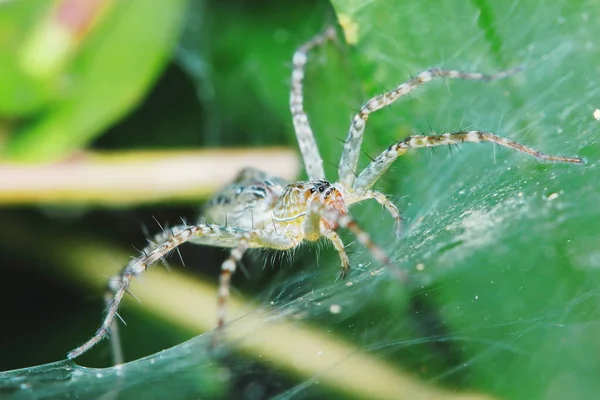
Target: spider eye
312,190
321,189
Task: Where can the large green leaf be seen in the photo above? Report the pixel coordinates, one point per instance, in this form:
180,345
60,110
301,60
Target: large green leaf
505,248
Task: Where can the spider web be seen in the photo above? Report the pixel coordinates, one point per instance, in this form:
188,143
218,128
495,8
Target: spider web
502,252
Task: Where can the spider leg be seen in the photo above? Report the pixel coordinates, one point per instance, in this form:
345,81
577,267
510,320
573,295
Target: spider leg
162,244
237,238
339,246
227,269
114,338
314,228
381,199
349,160
254,238
345,221
306,140
375,169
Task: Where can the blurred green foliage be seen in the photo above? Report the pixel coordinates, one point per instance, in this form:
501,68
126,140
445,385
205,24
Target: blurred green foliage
74,68
502,251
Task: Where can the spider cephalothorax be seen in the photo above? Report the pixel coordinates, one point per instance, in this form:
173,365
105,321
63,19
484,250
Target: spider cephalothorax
260,211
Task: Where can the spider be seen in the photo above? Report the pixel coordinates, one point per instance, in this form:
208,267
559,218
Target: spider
257,210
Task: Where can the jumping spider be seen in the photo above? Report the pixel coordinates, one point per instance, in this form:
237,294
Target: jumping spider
260,211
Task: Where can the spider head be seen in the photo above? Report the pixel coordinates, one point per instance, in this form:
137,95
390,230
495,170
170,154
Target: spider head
295,201
324,192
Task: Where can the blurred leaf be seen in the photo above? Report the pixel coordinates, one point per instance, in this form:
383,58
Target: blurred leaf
20,94
111,70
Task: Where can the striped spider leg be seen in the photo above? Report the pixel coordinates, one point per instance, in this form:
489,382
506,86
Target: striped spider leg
259,211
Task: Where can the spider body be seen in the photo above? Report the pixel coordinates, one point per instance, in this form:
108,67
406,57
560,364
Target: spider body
260,211
247,202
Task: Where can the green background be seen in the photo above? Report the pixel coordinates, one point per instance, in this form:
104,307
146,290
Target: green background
503,252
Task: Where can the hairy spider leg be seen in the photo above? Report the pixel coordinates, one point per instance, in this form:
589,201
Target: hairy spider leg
313,163
377,167
356,197
164,243
345,221
256,238
246,202
352,146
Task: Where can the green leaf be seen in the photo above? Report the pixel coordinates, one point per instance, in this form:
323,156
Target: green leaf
109,73
504,247
20,94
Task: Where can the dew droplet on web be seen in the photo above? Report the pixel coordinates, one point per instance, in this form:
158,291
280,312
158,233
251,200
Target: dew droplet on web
335,308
